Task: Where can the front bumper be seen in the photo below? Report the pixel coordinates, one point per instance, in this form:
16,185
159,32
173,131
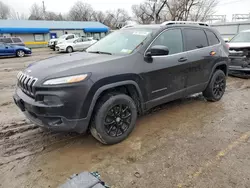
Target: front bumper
49,116
239,65
60,49
28,52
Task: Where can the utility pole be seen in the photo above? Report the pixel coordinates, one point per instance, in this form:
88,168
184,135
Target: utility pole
43,11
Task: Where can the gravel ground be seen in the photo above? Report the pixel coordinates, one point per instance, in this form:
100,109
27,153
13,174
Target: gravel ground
186,143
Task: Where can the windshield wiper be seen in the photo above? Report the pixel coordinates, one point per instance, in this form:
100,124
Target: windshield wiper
99,52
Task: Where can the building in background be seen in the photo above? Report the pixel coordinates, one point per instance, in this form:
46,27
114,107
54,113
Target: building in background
36,33
230,29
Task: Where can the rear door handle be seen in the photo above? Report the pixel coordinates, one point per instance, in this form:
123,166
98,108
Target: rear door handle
183,59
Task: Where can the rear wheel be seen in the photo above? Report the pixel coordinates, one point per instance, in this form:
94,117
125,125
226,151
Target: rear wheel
20,53
69,49
216,87
114,119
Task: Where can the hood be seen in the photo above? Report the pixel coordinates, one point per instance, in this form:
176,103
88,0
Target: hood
53,40
239,44
69,64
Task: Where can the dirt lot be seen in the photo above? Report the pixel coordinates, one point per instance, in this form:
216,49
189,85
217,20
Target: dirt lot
187,143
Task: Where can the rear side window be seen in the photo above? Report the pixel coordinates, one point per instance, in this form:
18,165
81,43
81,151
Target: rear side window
195,39
70,37
172,39
16,40
6,40
212,39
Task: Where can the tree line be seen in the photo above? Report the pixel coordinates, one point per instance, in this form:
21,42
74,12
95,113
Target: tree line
149,11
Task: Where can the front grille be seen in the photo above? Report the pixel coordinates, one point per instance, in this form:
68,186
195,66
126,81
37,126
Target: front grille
26,83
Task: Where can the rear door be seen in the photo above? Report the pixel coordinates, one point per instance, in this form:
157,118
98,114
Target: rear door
200,58
78,44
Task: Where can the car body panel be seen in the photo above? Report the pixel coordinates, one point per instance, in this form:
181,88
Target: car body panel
11,50
157,80
240,58
76,44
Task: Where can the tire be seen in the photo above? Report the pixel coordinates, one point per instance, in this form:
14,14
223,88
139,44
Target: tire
69,49
20,53
114,118
216,87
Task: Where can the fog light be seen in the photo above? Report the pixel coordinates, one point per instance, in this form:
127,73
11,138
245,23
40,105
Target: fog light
51,100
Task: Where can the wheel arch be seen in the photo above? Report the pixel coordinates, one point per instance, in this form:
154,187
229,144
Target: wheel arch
223,65
130,86
70,47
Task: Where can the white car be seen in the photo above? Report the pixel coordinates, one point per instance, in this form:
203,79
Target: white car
75,45
68,37
239,54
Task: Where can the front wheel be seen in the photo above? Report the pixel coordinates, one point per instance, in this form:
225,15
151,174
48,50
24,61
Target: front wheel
20,53
114,119
216,87
69,49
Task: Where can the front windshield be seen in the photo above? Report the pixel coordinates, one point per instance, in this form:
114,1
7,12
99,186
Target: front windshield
121,42
242,37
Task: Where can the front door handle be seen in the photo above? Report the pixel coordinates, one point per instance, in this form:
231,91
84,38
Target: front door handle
183,59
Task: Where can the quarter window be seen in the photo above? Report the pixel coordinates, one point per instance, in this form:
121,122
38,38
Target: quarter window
195,39
171,39
212,39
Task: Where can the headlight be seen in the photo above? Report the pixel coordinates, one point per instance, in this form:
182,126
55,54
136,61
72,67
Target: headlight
66,80
26,48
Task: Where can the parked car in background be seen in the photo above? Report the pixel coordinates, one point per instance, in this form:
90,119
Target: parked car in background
239,48
13,50
122,76
12,40
75,45
53,42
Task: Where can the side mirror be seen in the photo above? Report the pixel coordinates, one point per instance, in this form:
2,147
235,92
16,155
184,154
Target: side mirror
157,50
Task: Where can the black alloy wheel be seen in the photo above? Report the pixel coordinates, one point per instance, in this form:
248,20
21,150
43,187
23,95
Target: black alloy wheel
118,120
219,86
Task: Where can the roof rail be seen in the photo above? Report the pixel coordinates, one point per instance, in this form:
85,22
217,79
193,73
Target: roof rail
184,22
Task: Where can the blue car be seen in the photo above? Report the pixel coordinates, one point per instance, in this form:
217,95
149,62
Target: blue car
14,50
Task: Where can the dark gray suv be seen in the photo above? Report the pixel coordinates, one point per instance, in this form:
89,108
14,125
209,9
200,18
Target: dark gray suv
122,76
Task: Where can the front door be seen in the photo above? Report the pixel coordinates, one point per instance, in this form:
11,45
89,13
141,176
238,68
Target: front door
165,77
9,50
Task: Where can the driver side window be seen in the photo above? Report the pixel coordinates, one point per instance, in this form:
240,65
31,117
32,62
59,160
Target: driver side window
171,39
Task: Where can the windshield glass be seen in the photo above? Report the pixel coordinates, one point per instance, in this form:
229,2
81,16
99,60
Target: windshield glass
121,42
242,37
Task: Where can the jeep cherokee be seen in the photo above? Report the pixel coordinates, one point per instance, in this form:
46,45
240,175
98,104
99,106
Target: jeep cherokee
122,76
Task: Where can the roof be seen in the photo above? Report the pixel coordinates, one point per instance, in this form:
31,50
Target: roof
158,26
42,26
